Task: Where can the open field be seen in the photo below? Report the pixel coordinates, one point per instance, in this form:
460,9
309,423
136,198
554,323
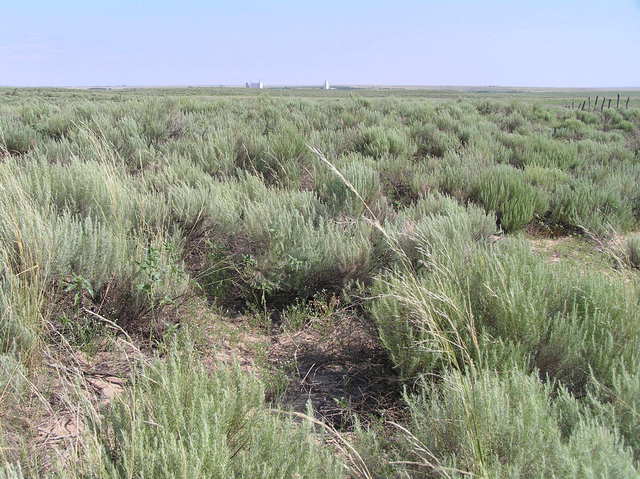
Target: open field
296,283
548,96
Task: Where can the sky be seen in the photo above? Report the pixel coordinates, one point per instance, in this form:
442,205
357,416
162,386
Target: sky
552,43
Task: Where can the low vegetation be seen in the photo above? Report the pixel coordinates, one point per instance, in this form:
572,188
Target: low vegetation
142,219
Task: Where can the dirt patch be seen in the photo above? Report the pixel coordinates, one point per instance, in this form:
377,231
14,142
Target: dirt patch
542,230
307,181
49,419
231,341
339,369
336,364
553,249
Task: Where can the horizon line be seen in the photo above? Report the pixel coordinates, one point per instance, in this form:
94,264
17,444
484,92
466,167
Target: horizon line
319,85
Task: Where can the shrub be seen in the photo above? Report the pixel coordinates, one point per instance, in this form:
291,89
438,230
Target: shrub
16,138
11,471
57,126
512,426
596,210
13,377
120,203
21,318
619,405
548,179
514,122
379,142
587,117
503,189
469,299
178,420
274,157
276,245
537,150
339,197
431,141
423,318
571,129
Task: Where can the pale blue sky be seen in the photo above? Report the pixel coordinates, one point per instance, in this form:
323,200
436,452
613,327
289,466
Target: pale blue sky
573,43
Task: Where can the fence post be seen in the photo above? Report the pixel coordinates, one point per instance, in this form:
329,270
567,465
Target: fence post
628,98
618,102
595,105
589,105
602,104
609,104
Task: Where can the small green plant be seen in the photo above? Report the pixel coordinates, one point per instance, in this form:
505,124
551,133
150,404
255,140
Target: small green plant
83,331
79,286
296,315
152,273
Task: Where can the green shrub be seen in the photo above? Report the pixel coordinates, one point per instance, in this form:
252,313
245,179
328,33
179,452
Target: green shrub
469,299
379,142
619,405
503,189
514,122
276,245
587,117
339,197
21,318
57,126
597,210
161,122
404,181
538,150
181,421
13,377
256,154
288,144
423,319
121,202
571,129
545,178
11,471
16,138
431,141
512,426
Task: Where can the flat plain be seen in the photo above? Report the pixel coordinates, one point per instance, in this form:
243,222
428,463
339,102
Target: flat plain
363,282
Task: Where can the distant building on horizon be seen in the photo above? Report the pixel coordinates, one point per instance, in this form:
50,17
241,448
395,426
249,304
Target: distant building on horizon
259,85
326,85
